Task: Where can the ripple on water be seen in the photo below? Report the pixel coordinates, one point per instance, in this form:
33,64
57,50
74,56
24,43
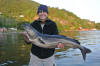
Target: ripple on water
7,63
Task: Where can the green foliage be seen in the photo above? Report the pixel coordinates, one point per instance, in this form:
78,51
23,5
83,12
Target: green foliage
7,22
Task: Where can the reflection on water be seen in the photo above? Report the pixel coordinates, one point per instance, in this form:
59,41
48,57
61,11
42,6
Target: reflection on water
14,52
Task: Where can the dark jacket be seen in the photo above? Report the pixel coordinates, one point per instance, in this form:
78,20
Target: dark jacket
49,28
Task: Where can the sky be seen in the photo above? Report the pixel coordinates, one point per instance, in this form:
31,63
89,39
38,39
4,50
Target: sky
85,9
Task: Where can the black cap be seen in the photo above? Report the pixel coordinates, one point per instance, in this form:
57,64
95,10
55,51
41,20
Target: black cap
42,8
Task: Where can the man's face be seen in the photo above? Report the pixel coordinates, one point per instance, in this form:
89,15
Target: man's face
43,15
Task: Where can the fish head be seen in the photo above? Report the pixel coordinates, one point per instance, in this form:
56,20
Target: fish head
29,29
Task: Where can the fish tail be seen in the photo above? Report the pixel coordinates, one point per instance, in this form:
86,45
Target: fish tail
84,51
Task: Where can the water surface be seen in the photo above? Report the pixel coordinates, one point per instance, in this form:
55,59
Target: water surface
14,51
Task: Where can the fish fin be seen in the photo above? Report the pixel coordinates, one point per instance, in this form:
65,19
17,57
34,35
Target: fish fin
41,41
84,51
77,41
83,54
87,50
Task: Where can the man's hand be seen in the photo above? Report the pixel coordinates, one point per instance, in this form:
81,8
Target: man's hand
60,45
26,37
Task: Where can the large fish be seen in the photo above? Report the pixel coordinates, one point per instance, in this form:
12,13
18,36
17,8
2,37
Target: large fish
51,41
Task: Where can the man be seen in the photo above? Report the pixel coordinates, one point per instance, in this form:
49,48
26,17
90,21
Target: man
43,56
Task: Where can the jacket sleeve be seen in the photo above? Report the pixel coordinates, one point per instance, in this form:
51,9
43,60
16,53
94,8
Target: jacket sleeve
33,24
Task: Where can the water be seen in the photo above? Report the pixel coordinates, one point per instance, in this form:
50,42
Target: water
14,51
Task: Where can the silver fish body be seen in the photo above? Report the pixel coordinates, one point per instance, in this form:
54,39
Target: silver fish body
51,41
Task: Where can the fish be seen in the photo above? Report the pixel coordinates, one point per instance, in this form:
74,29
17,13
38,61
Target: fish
51,41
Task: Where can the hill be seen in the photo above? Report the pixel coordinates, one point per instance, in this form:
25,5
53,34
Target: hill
26,11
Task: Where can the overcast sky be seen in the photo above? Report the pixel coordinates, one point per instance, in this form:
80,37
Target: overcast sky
85,9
